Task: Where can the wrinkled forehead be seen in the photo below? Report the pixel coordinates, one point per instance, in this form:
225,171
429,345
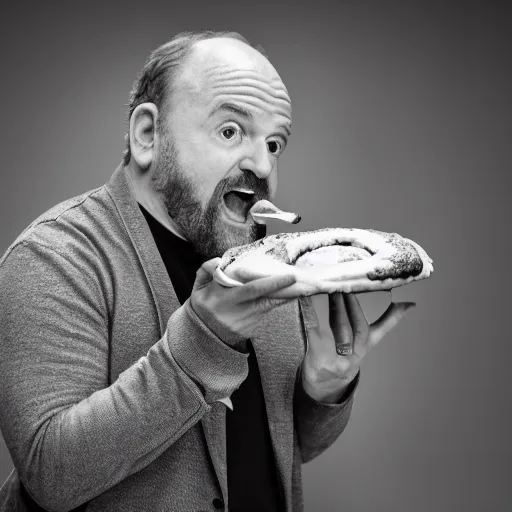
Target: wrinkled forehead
255,87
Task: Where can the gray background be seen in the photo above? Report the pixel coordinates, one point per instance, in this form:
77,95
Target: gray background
402,122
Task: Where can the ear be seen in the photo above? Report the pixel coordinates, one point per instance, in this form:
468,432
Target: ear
143,133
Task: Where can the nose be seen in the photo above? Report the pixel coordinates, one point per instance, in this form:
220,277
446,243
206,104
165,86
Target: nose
258,160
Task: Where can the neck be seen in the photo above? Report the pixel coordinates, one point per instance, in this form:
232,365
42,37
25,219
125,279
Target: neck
141,181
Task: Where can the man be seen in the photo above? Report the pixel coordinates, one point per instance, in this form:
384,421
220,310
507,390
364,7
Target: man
130,379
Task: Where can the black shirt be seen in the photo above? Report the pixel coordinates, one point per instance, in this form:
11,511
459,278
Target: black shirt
252,475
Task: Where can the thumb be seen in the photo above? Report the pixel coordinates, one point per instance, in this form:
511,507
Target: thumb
389,320
205,273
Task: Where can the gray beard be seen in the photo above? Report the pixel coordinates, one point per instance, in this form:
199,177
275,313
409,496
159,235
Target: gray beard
203,228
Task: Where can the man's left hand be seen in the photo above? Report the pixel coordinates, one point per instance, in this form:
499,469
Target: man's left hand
325,373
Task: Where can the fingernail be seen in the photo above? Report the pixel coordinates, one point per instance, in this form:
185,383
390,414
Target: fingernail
344,350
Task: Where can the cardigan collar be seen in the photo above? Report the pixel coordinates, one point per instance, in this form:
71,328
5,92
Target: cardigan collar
122,192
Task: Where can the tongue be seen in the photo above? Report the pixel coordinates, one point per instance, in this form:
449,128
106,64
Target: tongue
237,205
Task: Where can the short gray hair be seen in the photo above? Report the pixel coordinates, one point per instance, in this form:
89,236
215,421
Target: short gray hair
153,83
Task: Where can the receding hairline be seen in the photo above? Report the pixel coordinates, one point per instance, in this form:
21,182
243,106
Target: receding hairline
189,79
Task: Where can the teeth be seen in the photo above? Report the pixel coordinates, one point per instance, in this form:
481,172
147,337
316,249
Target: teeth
244,190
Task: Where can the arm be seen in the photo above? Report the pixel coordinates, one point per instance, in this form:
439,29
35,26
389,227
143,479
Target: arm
64,427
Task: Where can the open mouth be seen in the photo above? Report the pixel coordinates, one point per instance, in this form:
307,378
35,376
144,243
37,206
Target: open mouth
238,204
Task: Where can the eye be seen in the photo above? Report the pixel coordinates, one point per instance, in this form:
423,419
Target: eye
231,132
275,147
228,133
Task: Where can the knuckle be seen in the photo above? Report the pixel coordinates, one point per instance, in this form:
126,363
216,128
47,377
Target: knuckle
265,303
361,332
283,281
203,268
250,290
269,303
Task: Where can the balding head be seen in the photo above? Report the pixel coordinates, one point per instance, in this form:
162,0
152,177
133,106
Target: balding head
212,60
156,77
223,51
223,68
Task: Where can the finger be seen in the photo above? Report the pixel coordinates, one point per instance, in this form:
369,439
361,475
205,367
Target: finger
205,273
309,316
340,323
264,287
246,275
360,327
388,321
356,315
294,291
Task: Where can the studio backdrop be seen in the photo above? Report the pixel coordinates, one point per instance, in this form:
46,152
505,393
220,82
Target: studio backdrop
401,122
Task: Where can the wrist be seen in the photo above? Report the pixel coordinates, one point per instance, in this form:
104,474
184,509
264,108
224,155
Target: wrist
336,397
328,393
222,331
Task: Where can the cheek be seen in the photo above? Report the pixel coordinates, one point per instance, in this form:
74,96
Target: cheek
201,162
209,169
217,164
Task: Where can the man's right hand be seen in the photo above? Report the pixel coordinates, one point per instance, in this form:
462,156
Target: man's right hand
240,309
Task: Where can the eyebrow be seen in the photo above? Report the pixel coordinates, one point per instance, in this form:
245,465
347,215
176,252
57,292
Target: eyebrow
231,107
242,112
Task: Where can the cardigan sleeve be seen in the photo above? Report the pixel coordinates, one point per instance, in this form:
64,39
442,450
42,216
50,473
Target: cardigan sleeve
62,423
319,424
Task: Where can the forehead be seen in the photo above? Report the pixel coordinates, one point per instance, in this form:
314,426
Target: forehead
250,88
248,81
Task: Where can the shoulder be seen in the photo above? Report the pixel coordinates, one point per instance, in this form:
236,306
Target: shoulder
71,226
62,255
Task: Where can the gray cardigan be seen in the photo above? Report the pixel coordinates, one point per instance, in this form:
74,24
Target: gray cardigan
114,394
